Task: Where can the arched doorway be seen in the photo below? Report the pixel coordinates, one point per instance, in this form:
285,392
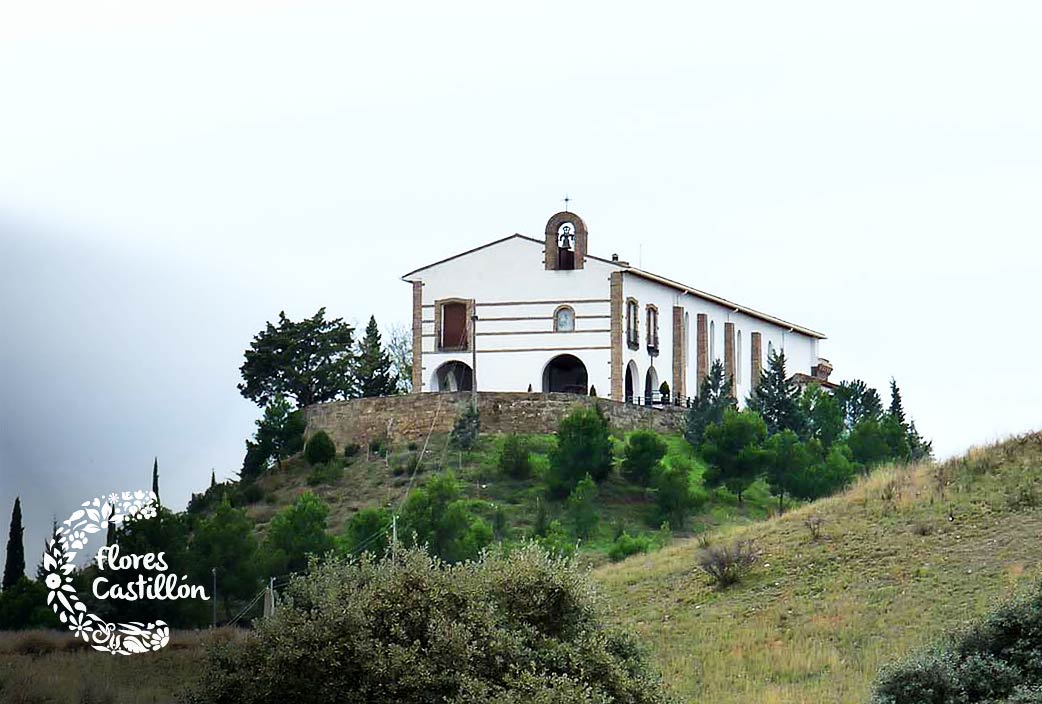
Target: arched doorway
650,386
452,376
632,382
565,373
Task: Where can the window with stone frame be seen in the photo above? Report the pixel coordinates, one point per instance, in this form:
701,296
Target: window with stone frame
453,326
632,324
652,314
564,319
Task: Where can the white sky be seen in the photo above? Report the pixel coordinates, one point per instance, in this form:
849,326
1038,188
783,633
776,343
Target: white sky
171,177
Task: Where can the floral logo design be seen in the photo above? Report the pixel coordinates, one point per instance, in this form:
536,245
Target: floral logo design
70,538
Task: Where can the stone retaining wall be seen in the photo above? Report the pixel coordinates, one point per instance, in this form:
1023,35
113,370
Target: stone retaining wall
411,417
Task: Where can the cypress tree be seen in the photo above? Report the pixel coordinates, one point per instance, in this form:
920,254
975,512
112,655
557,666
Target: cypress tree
41,573
776,399
374,375
14,568
897,409
213,478
155,478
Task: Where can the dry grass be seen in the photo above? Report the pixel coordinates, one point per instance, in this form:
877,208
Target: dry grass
817,618
53,667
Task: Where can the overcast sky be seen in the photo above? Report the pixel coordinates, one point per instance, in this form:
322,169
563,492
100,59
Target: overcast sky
172,176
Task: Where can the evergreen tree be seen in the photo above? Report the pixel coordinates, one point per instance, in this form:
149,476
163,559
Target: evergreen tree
789,459
213,478
309,361
582,507
374,375
296,532
860,402
776,399
734,450
110,534
897,409
225,540
714,398
41,573
919,448
155,478
279,434
824,415
14,568
583,447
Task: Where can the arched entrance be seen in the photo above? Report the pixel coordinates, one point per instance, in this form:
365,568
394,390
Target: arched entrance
565,373
650,386
632,382
452,376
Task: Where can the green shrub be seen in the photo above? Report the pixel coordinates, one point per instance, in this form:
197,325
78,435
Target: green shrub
247,492
367,530
352,449
556,541
328,473
642,454
626,545
515,460
997,661
676,496
437,516
466,429
510,628
582,507
583,447
319,448
377,447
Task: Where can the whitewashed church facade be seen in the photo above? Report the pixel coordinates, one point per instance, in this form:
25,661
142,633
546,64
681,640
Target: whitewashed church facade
546,315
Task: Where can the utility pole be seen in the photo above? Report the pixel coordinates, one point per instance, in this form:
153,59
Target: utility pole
213,621
474,360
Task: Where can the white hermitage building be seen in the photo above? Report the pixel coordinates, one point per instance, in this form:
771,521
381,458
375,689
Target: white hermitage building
546,315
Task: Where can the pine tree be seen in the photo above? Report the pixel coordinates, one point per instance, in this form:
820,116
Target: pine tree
373,373
897,409
155,478
860,402
714,398
776,399
14,568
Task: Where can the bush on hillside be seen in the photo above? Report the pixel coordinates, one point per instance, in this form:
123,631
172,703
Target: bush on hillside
467,427
626,545
728,564
643,451
583,447
582,507
329,473
515,460
352,449
319,448
675,496
998,661
367,530
437,515
511,628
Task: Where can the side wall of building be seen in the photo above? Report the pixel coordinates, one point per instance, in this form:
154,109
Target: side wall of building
801,350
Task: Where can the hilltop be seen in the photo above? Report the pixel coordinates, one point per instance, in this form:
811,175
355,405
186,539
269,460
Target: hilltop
905,554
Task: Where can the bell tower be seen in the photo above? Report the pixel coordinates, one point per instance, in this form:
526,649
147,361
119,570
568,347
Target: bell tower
565,242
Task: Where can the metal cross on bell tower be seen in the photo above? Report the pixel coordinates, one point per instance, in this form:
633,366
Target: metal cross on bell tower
566,200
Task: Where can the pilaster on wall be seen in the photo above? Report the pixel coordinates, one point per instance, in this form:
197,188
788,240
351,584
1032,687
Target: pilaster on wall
679,372
729,367
756,368
417,337
702,363
617,378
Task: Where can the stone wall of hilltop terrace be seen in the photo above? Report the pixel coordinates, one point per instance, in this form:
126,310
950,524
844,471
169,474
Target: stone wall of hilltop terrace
410,417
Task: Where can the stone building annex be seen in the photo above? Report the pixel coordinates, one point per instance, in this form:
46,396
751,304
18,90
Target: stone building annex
548,316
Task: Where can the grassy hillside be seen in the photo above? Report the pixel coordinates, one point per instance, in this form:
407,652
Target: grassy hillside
905,555
374,480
